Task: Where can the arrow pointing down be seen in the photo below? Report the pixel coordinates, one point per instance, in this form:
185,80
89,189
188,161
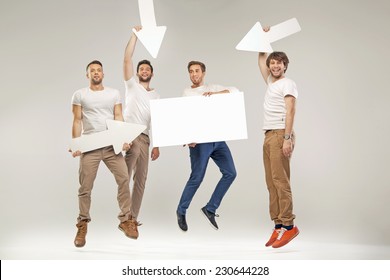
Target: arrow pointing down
150,35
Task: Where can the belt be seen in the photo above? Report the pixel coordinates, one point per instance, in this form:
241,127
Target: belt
268,130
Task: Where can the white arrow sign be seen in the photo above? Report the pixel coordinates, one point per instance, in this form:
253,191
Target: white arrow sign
150,35
117,134
256,40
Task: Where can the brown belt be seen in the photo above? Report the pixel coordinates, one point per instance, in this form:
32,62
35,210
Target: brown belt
268,130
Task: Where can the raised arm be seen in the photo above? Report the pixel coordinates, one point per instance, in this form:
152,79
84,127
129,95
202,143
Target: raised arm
128,70
264,70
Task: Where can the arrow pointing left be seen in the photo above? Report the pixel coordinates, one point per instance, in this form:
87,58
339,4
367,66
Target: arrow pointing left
256,40
118,132
150,35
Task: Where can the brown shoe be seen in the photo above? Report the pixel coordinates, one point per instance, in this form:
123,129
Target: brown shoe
129,227
79,241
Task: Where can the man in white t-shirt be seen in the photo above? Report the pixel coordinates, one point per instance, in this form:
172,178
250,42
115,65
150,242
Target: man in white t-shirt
137,110
279,112
200,154
91,107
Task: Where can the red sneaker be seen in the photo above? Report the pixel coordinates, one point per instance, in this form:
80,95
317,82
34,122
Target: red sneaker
285,236
273,237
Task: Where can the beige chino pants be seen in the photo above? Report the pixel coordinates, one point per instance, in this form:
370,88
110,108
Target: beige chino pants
137,160
277,176
89,164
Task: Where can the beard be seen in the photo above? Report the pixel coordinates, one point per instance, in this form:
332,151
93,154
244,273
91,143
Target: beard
144,80
96,81
196,82
277,75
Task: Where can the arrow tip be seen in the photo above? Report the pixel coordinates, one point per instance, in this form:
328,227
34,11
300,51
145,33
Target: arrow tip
151,38
256,40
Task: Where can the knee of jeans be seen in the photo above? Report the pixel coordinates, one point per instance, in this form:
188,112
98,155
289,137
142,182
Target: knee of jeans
197,180
232,174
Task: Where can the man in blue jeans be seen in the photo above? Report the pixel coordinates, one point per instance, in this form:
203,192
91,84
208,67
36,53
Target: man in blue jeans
201,153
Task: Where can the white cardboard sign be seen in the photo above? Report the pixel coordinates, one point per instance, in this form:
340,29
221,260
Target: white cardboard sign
198,119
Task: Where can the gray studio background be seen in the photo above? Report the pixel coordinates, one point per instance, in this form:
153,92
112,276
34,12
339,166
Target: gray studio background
340,170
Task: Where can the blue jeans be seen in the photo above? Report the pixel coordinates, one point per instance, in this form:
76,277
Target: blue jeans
219,152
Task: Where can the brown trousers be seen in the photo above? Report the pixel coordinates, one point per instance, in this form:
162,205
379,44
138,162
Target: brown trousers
277,176
89,164
137,160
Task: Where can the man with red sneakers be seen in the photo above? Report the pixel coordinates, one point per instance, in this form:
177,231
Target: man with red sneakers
279,112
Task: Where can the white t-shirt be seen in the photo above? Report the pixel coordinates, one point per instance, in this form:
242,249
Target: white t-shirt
97,107
137,108
206,88
274,104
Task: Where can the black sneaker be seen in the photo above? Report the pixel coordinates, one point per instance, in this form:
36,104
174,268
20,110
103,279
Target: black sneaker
181,221
210,217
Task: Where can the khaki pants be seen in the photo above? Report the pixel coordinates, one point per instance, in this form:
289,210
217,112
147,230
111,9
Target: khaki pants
89,164
277,175
137,160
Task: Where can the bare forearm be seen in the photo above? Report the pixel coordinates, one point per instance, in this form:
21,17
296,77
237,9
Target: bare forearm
119,117
76,128
129,51
128,58
289,121
208,93
262,61
262,58
222,91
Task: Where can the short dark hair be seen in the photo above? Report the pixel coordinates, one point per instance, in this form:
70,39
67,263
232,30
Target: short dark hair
145,61
194,62
278,56
94,62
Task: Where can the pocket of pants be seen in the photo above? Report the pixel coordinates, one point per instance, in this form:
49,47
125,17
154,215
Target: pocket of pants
280,139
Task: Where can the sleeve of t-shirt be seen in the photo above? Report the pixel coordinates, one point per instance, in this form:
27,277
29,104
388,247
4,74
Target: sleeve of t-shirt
130,84
118,99
290,88
76,98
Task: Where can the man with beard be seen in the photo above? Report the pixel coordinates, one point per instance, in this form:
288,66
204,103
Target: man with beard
137,110
91,107
200,154
279,112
